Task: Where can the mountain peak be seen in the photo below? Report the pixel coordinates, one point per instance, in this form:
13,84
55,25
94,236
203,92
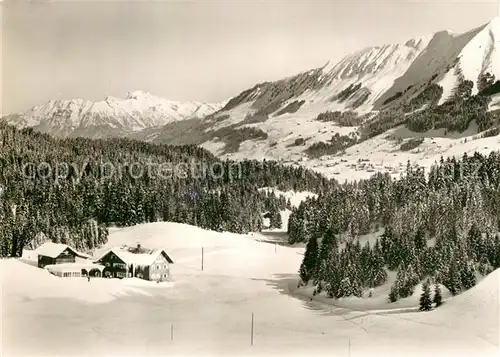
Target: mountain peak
495,19
494,23
109,117
138,94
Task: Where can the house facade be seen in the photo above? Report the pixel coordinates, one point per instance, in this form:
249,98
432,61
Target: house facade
154,266
55,253
63,261
160,269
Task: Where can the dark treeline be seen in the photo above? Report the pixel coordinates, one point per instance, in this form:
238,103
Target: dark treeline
102,185
443,227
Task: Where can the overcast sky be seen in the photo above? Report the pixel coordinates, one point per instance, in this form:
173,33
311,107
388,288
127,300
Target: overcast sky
198,50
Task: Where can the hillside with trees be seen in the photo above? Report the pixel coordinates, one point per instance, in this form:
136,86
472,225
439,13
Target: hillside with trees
442,226
71,190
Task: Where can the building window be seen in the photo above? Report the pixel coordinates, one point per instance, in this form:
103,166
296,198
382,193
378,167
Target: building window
165,266
119,265
120,274
158,267
164,275
107,264
66,275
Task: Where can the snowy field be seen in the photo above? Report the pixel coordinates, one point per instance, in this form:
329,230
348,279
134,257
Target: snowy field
209,312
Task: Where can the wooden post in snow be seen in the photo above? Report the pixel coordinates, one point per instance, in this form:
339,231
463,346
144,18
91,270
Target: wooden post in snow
349,347
171,332
275,247
251,333
201,258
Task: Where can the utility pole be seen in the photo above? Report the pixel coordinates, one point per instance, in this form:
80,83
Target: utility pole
251,333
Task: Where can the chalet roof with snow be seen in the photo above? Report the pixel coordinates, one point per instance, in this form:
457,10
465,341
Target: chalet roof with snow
138,258
53,250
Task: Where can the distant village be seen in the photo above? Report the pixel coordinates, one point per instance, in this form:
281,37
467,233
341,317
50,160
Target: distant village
126,262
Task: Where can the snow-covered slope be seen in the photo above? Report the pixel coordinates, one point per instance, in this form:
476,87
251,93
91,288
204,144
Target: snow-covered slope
479,54
476,310
110,117
209,312
374,68
482,53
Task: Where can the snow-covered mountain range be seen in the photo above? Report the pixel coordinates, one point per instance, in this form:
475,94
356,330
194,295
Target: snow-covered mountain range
280,120
110,117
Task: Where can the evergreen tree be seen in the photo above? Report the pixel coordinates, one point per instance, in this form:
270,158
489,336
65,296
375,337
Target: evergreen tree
425,298
485,80
394,292
309,263
406,280
348,288
438,298
328,262
474,239
452,279
468,276
275,220
420,241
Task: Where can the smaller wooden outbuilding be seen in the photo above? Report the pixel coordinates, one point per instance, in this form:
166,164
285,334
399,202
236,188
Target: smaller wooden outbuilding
56,253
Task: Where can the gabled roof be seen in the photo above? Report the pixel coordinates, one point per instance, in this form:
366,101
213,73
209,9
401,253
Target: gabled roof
52,250
138,259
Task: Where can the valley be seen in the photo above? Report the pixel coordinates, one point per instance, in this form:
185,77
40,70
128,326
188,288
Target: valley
352,209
